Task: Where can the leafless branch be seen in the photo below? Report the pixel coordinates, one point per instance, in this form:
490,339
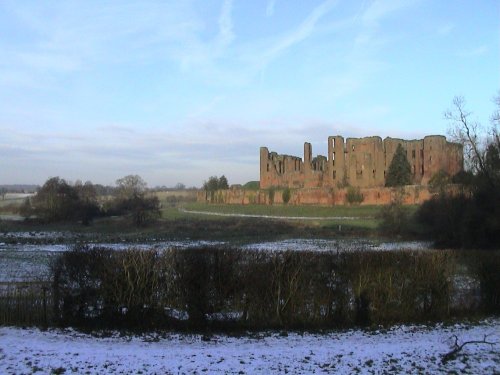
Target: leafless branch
457,348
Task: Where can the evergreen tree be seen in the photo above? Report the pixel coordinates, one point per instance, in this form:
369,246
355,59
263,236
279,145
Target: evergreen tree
399,173
223,184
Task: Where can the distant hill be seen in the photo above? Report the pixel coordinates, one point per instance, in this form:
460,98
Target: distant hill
20,188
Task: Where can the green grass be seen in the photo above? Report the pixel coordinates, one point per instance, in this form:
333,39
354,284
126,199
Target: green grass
350,218
284,210
174,224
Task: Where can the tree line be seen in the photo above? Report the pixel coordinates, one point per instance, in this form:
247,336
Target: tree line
470,218
57,201
467,215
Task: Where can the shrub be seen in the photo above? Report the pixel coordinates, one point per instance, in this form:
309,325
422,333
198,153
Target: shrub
354,195
286,195
271,193
394,218
438,182
227,288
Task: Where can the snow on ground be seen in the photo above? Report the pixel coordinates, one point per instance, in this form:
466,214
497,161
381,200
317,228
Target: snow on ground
301,244
403,349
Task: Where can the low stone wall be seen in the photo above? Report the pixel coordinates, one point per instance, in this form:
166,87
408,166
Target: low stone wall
414,194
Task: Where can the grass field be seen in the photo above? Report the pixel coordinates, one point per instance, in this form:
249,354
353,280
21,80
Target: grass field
363,217
290,211
277,221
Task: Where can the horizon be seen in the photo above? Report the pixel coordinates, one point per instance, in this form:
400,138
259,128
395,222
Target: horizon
177,92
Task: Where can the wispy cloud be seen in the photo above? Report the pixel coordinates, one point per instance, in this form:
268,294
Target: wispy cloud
379,9
445,29
297,35
474,51
270,8
372,15
226,34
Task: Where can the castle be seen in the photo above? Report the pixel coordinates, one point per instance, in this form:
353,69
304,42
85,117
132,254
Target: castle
359,162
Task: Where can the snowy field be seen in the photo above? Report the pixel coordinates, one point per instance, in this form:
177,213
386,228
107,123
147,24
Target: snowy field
29,262
402,349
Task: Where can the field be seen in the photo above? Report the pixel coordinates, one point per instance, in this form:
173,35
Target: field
27,249
399,350
363,217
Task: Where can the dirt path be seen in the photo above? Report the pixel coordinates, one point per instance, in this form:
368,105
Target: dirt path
275,217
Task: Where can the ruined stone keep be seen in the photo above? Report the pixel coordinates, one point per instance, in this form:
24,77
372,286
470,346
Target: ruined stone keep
359,162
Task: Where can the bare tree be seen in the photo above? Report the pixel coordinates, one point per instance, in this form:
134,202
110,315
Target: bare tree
130,186
467,132
495,122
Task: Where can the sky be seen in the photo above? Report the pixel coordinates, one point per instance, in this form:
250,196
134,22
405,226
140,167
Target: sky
177,91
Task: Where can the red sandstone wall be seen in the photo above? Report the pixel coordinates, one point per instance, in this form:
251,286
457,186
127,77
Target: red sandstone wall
414,194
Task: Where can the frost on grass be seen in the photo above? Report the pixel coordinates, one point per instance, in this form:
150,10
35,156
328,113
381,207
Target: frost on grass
402,349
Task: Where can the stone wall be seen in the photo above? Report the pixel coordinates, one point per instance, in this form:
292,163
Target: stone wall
413,194
359,162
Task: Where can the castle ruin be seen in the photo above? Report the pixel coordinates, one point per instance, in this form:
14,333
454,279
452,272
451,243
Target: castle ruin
359,162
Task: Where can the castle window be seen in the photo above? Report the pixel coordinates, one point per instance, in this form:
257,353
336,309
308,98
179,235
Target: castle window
268,167
421,154
413,154
334,175
353,147
422,170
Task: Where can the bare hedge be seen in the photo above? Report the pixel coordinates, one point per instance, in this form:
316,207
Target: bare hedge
229,288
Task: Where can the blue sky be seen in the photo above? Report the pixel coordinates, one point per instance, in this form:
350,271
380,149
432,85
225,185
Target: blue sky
177,91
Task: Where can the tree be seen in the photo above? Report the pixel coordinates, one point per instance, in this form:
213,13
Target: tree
399,173
130,186
479,150
88,207
212,184
223,184
469,220
3,191
142,208
131,199
57,200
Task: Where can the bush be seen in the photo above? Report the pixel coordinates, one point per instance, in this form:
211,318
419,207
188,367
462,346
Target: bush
354,195
271,193
394,218
286,195
438,182
463,221
227,288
